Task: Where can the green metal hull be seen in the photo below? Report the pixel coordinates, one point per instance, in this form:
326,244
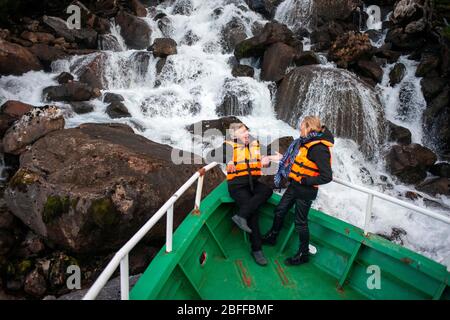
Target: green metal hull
339,269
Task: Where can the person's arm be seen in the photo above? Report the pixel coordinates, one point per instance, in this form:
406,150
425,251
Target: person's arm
320,154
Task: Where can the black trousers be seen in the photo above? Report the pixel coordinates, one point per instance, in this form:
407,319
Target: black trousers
248,203
295,194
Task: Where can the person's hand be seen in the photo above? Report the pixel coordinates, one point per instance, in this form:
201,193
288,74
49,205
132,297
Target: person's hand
265,161
278,156
231,167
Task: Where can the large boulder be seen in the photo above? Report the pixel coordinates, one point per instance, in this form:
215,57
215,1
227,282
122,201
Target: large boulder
265,7
16,60
86,37
233,33
32,126
436,186
93,72
15,109
328,10
398,133
90,188
272,32
242,70
47,54
413,15
277,58
350,108
349,48
163,47
135,31
72,91
215,127
370,69
397,74
410,163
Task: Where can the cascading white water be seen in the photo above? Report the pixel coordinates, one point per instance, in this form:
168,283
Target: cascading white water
296,14
194,82
404,103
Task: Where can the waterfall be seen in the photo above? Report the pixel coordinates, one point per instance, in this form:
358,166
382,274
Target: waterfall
193,83
296,14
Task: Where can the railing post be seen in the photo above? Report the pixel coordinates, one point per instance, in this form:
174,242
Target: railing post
368,213
124,279
198,193
169,229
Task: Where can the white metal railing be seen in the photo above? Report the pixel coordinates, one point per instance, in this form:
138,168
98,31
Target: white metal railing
121,257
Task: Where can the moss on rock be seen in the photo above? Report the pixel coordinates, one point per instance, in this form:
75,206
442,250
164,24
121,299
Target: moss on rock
22,179
55,207
103,212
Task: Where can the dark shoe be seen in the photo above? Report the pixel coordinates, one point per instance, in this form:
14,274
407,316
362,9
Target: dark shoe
270,238
241,223
259,258
299,258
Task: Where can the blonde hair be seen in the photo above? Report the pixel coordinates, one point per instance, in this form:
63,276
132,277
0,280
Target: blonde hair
312,123
234,127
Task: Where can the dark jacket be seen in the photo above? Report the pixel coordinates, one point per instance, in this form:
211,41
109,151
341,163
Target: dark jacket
320,155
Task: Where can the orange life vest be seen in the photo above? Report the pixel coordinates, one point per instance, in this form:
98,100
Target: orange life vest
302,166
246,159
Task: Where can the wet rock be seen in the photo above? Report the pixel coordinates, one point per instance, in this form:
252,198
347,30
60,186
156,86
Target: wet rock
31,246
163,47
7,241
397,74
336,94
138,8
431,87
232,106
36,37
82,107
109,42
242,70
281,144
277,58
436,186
402,41
16,60
307,58
414,15
64,77
72,91
92,73
165,25
390,55
35,284
370,69
349,48
117,109
428,63
47,54
398,133
410,163
183,7
272,32
112,97
15,109
98,186
232,34
85,37
214,127
329,10
265,7
32,126
396,235
135,31
160,65
320,39
441,169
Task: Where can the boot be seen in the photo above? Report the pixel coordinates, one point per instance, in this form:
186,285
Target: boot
298,259
241,223
259,257
270,238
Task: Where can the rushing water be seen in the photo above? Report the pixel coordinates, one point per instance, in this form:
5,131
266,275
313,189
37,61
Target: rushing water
195,81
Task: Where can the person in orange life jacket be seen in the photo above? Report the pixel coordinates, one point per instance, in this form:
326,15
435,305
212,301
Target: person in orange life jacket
242,154
311,168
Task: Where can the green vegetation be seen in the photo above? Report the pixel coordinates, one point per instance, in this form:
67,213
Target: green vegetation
55,207
103,212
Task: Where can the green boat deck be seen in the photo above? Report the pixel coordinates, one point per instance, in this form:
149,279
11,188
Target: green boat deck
211,260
